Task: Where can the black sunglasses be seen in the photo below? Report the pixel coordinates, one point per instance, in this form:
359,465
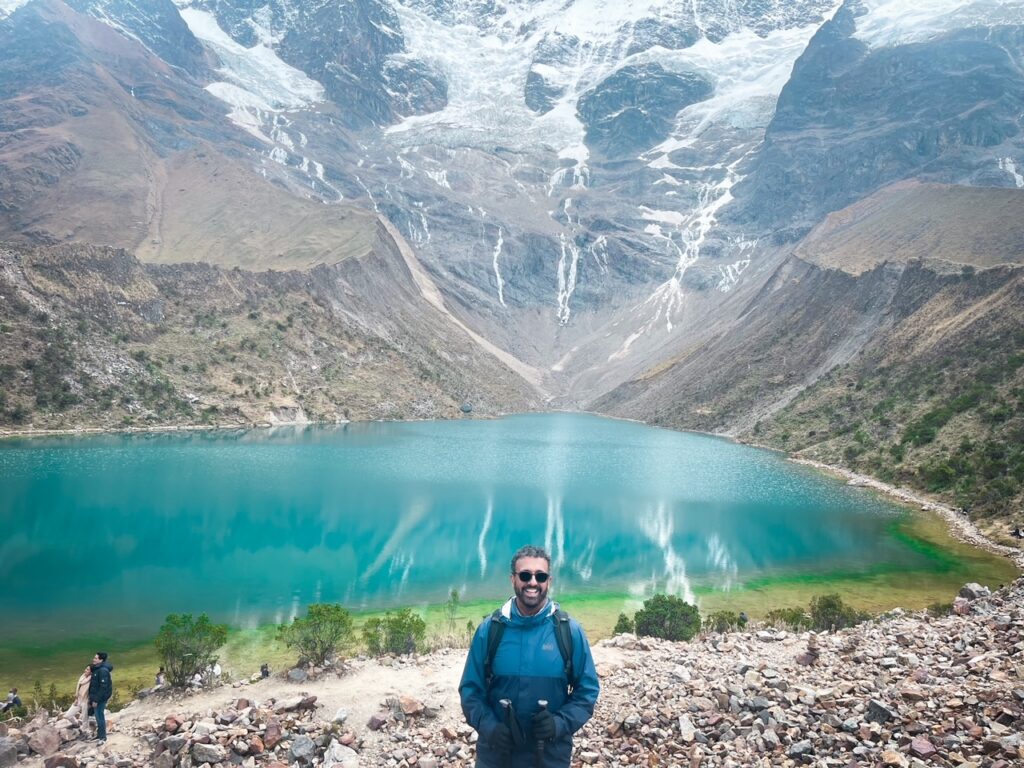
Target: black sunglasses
525,576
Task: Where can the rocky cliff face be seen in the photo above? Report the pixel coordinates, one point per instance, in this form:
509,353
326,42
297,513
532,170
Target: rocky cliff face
866,106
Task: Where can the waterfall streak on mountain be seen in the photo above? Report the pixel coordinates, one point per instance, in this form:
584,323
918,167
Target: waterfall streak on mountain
497,269
566,277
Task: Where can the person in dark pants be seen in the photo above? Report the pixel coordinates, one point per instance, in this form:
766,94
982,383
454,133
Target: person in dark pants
540,655
100,688
13,700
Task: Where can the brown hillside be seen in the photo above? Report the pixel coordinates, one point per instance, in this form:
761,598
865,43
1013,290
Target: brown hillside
982,227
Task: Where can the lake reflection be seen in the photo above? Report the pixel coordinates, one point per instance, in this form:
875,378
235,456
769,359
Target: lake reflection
113,532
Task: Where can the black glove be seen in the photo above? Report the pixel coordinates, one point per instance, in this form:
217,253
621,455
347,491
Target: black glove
543,726
501,738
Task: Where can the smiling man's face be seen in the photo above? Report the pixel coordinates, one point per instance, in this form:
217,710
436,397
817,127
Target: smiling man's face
531,594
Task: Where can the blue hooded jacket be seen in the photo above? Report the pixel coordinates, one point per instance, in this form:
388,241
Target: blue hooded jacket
101,686
527,667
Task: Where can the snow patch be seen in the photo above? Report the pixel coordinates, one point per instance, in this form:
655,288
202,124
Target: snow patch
730,274
1007,165
256,81
748,73
900,22
7,7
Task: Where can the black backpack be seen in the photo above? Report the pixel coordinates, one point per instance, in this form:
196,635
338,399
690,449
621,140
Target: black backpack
563,634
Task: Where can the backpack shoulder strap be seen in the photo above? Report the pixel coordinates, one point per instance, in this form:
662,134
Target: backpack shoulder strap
563,634
494,633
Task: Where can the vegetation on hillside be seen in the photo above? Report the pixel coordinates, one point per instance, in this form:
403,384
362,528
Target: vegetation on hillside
93,338
951,423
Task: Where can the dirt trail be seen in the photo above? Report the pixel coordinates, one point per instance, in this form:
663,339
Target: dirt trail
361,691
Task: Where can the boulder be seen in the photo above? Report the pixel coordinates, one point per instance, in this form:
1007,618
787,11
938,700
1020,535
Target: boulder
173,743
297,675
961,606
923,748
410,706
687,732
973,591
45,741
878,712
208,753
340,756
60,761
8,753
272,734
302,750
800,749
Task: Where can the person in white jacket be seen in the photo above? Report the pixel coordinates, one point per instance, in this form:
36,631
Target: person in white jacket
78,712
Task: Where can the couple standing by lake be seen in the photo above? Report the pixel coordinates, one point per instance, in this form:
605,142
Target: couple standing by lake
94,689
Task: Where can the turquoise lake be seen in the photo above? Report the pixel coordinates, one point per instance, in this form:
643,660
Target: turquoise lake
108,534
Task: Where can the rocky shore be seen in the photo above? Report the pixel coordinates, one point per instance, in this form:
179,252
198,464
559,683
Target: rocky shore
961,527
900,690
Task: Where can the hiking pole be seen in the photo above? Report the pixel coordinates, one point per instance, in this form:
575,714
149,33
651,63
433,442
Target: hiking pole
540,742
506,707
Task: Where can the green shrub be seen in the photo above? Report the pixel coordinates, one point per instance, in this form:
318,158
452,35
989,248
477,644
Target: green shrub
451,610
623,625
187,646
724,621
10,714
828,611
317,636
795,619
667,617
400,632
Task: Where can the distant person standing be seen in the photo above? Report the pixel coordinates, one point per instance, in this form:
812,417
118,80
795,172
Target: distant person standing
101,686
529,682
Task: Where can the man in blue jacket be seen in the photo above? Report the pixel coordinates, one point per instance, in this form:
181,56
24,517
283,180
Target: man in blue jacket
101,686
503,685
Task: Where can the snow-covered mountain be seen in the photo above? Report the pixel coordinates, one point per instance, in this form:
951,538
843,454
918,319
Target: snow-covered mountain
590,181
